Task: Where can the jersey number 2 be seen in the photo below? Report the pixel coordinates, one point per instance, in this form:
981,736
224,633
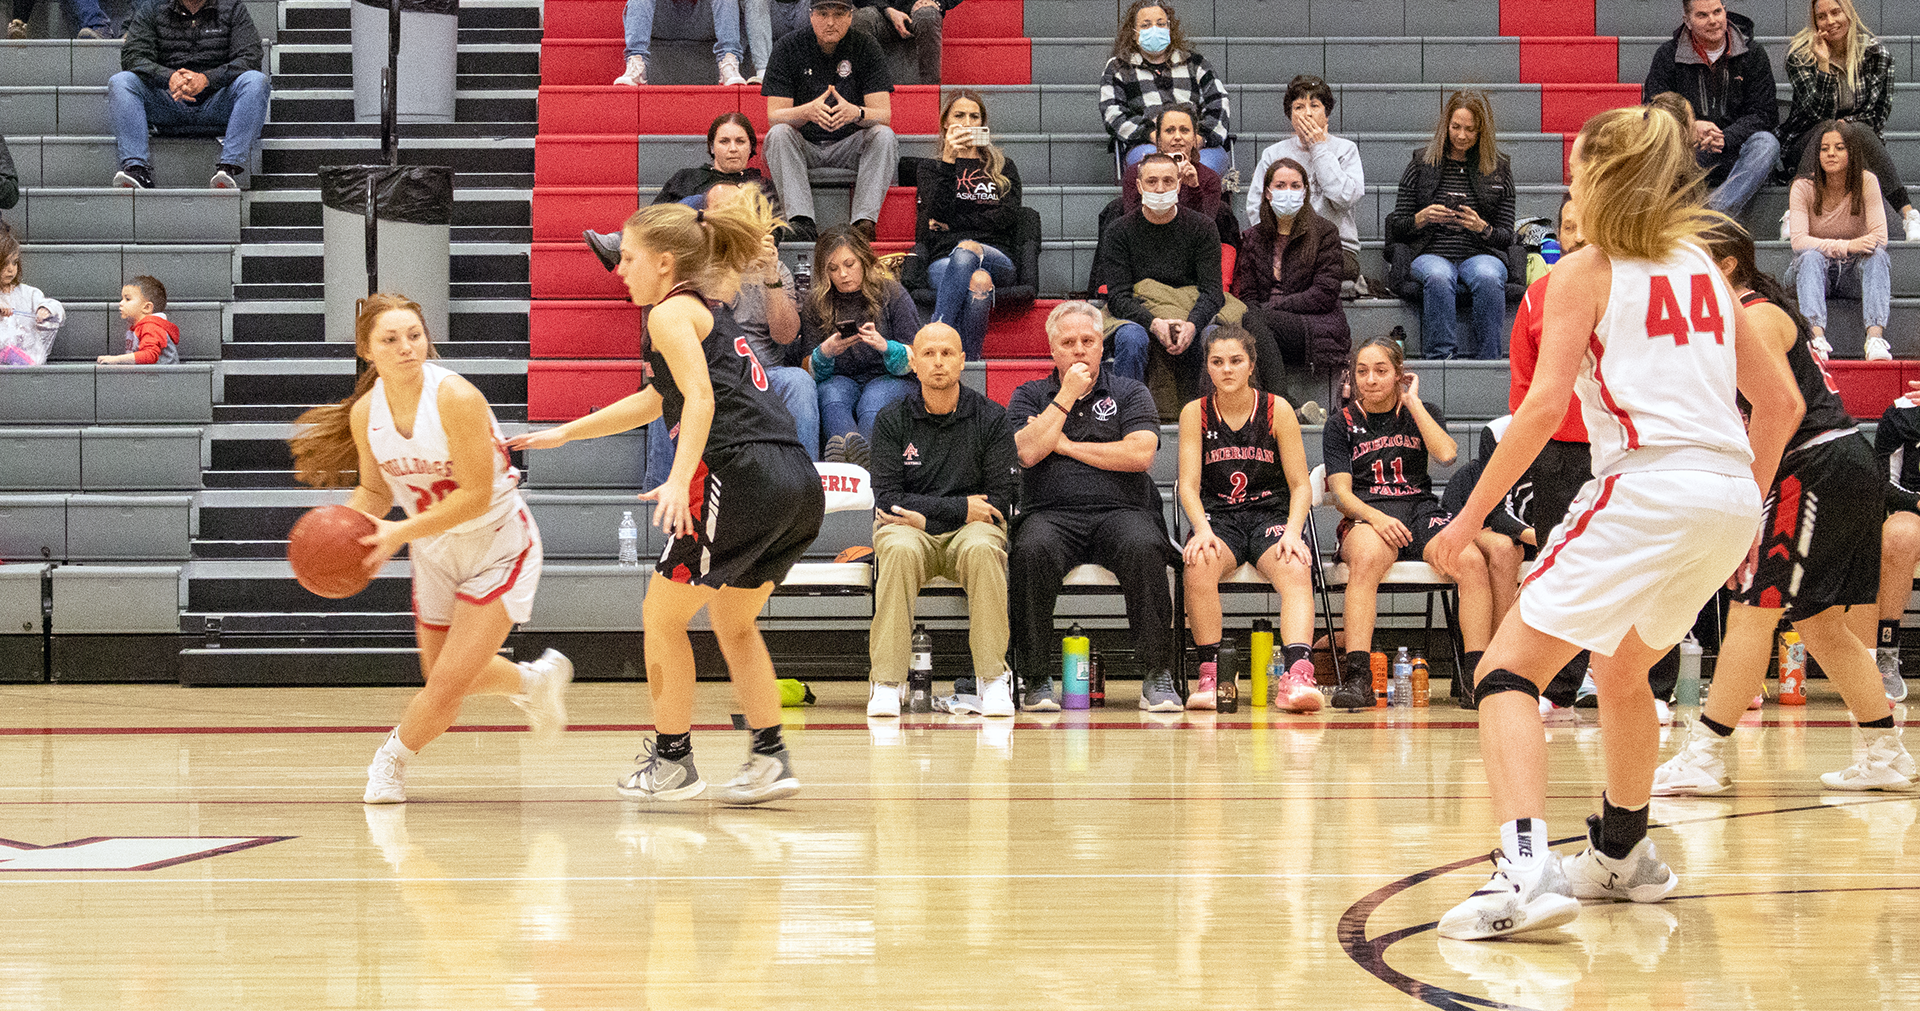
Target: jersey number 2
759,374
428,496
1665,320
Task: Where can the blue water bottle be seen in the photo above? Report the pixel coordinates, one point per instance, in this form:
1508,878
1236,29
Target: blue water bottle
1073,670
1550,251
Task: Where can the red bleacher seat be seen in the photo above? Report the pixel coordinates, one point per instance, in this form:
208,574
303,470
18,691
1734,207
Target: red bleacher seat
916,108
986,61
985,19
581,61
1564,108
1867,388
585,160
1570,60
563,391
584,19
1566,156
570,270
1003,377
589,108
1020,333
898,215
1544,17
583,329
560,213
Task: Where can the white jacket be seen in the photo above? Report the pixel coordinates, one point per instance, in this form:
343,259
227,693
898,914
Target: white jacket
22,333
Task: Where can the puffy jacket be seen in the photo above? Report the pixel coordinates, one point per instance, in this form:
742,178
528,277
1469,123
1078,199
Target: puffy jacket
1309,287
9,180
219,40
1736,94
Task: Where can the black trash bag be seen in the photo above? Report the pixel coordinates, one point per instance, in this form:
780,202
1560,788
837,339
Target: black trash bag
411,194
420,6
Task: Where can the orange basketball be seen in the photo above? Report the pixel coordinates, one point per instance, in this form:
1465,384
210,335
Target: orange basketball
325,551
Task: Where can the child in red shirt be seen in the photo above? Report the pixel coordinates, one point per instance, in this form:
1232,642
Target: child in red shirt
152,338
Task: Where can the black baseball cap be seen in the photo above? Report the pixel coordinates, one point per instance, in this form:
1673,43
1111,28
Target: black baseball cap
817,4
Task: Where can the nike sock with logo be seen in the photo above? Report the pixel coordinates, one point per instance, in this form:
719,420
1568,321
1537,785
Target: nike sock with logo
1524,841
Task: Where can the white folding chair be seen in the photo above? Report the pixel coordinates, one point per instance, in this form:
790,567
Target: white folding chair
1401,577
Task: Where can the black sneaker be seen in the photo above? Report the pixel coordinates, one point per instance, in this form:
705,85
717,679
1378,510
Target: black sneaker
133,176
1355,693
858,452
605,246
836,451
801,230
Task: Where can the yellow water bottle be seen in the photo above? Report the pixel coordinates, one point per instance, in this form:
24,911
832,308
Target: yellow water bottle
1261,650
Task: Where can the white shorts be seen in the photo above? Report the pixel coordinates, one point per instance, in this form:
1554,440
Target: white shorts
479,567
1642,551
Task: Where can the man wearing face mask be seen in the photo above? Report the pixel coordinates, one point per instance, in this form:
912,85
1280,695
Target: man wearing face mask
1334,174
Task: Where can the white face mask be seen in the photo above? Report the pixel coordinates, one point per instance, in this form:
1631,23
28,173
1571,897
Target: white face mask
1287,203
1158,202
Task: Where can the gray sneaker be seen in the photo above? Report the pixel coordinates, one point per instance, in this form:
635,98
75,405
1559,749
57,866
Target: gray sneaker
761,779
1157,694
1038,697
859,453
605,246
662,778
1641,877
1888,658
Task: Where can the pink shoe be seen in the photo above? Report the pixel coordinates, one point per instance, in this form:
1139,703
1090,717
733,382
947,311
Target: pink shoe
1202,696
1758,701
1297,692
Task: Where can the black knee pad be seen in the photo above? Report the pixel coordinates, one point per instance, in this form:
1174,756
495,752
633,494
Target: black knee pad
1504,680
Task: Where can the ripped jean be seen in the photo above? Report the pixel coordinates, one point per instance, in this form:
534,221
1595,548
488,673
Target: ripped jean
954,302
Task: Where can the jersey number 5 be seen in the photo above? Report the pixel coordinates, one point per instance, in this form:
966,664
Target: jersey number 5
1665,320
759,374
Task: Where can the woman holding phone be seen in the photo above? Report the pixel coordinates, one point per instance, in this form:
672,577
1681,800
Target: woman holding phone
857,328
969,219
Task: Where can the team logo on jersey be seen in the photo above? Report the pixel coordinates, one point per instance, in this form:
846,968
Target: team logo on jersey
845,69
1106,408
911,455
1212,434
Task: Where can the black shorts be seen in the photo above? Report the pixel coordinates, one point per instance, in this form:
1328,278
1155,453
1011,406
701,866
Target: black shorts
1424,519
756,509
1249,533
1820,542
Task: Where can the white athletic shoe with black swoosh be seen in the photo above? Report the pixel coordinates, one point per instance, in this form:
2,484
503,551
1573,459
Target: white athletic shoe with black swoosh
1513,901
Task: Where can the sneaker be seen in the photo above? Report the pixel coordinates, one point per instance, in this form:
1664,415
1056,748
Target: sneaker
386,779
1355,693
1902,761
960,704
636,74
1697,769
1296,691
226,177
1641,877
1157,694
662,778
94,34
762,778
1786,226
996,696
133,176
836,451
883,699
1556,716
545,702
756,80
1877,350
729,67
1202,697
1895,686
1912,219
1588,697
858,452
605,246
1879,769
17,29
1821,347
1513,902
1758,701
1039,697
1663,712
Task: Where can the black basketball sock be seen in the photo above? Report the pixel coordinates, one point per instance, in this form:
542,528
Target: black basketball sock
766,740
1359,665
1294,652
1883,723
1620,829
673,747
1207,652
1890,633
1717,727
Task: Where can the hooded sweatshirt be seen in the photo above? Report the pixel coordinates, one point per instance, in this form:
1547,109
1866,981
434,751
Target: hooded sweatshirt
155,340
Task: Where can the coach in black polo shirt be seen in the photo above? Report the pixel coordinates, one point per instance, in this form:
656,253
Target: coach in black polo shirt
1087,439
829,99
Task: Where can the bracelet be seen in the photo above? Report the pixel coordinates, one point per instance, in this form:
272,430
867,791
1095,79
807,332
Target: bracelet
1056,403
863,115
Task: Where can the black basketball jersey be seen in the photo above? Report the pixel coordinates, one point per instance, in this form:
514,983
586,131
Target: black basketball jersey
1241,468
743,409
1825,413
1385,453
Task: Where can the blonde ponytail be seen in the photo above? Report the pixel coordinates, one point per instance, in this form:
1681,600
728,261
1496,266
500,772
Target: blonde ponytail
710,248
1640,185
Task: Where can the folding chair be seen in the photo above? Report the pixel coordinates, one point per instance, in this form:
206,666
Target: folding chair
1401,577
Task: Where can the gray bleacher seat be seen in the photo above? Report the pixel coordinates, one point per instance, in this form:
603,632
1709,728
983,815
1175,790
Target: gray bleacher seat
83,215
26,158
30,110
39,459
178,162
166,394
83,110
1474,390
33,527
87,334
586,525
616,461
589,598
50,394
1536,157
1356,17
140,459
1475,18
116,599
201,215
22,649
1415,108
112,528
1075,60
76,272
191,273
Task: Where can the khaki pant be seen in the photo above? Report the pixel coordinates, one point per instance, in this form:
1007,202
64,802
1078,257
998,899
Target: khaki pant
905,558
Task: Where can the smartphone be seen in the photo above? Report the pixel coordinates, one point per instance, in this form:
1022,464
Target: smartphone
982,136
1178,157
847,327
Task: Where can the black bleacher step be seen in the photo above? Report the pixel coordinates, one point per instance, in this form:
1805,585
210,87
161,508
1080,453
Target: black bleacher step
304,388
337,17
212,549
461,180
258,628
250,456
254,235
243,293
316,661
248,479
343,36
235,414
217,594
341,126
281,350
480,156
465,268
473,334
466,213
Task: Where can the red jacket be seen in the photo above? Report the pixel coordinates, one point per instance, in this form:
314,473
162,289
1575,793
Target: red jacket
153,333
1523,354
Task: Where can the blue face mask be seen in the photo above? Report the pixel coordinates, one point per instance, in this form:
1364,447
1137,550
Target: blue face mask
1287,203
1155,39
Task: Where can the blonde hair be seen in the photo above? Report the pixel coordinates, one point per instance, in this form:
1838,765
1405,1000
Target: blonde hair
710,249
324,454
1641,185
1485,145
1858,39
991,155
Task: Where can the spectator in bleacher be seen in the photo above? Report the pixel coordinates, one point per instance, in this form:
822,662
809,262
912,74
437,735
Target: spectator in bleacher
152,338
94,23
1161,269
1152,67
1288,273
637,25
1087,438
944,480
969,220
1335,180
1838,226
1840,71
1376,449
29,320
730,146
1715,63
1175,136
191,66
9,178
1452,222
909,32
830,100
858,326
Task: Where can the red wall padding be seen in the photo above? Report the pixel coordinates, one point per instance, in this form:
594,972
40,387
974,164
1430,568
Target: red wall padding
1003,377
1564,108
563,391
589,108
1570,60
584,19
1869,388
585,160
1020,333
583,329
986,61
985,19
897,215
1534,17
570,270
560,213
581,61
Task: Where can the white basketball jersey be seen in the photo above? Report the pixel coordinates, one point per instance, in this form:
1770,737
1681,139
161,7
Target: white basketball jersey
419,469
1657,389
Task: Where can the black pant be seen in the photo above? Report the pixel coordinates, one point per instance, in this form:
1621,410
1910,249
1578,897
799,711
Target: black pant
1047,544
1281,364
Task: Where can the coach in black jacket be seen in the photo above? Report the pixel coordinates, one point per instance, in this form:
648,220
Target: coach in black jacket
189,67
944,477
1714,63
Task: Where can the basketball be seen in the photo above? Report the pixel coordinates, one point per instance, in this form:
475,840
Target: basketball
325,551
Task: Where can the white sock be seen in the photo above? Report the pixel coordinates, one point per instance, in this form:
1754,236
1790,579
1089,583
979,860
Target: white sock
528,676
397,749
1524,841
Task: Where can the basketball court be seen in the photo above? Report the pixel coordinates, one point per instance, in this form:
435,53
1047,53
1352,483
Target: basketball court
207,849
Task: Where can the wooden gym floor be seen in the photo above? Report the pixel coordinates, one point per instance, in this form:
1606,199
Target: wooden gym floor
216,856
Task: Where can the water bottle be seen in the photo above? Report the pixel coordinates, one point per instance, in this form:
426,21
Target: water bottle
802,276
1260,662
1421,682
1793,670
1073,670
1226,682
920,672
1550,251
1096,681
1686,690
629,542
1400,688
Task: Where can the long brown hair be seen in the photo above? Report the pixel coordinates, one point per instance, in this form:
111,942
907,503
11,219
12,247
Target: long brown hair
1486,146
1126,43
1269,221
324,454
991,155
9,249
1856,179
872,284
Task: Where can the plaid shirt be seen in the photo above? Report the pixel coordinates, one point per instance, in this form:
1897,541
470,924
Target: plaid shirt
1133,92
1816,92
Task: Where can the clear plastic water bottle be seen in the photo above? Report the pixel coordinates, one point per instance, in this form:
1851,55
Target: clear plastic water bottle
1227,679
1687,689
1400,686
920,672
629,542
802,275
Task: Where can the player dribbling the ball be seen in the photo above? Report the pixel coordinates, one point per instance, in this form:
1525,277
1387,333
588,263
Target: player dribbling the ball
420,434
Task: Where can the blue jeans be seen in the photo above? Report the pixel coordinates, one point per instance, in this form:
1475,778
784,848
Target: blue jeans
850,405
1752,164
758,20
239,110
954,302
1814,275
1483,279
1215,158
637,23
87,12
1130,343
794,387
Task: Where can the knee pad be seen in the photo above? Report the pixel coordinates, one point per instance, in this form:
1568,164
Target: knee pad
1503,680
